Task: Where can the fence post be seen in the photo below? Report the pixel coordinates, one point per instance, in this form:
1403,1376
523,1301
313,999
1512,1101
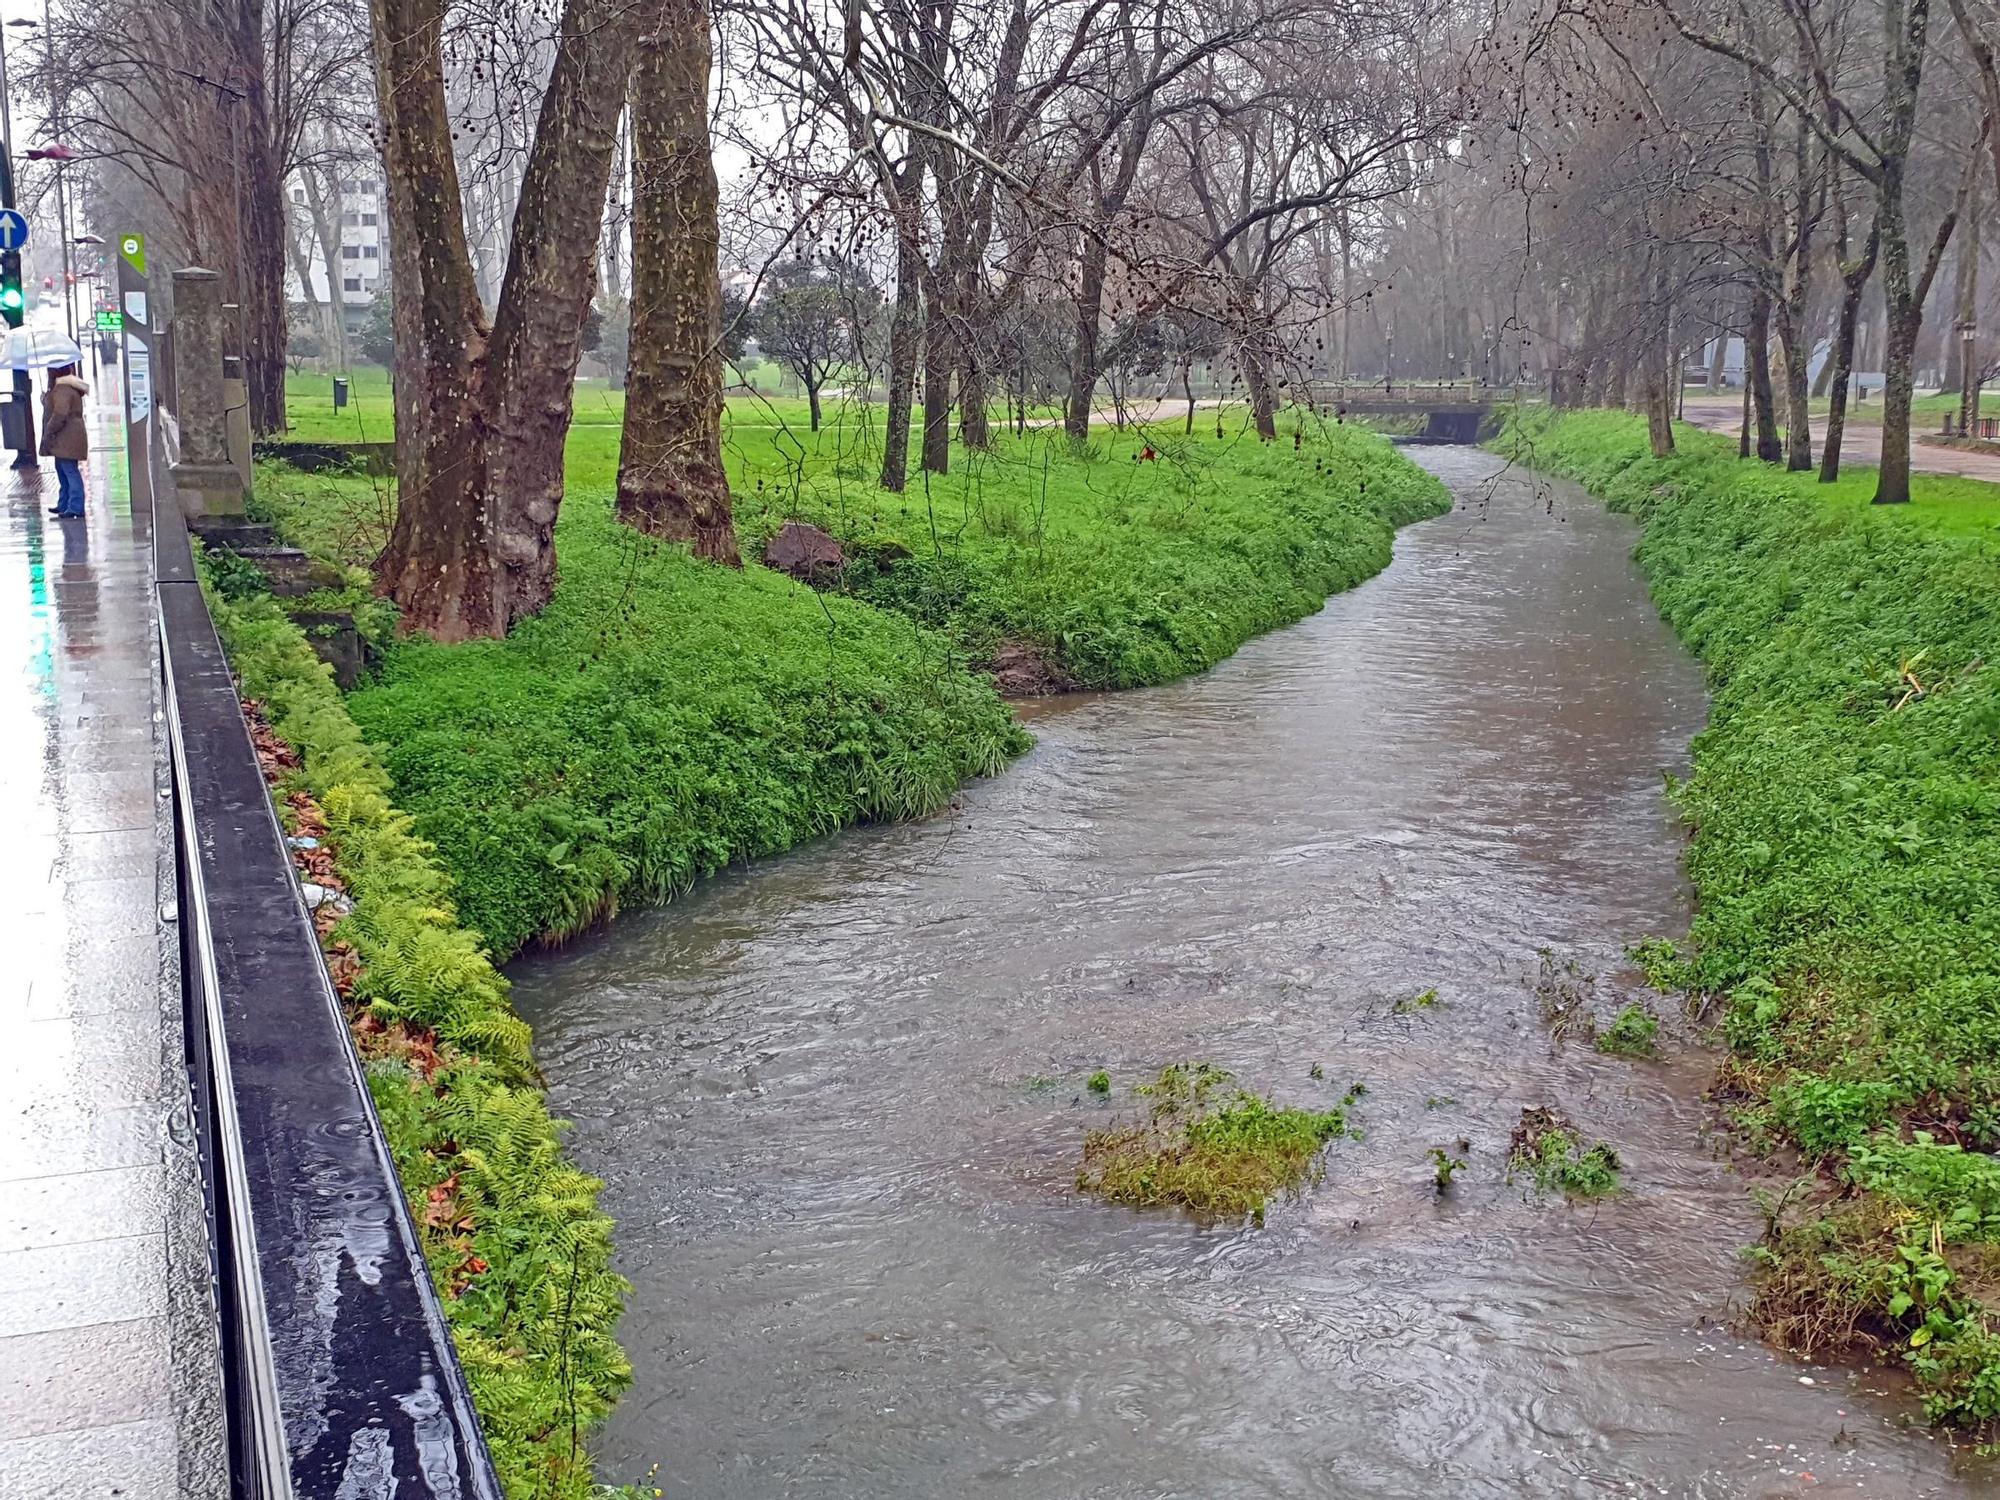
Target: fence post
208,483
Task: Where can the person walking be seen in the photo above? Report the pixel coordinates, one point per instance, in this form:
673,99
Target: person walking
66,437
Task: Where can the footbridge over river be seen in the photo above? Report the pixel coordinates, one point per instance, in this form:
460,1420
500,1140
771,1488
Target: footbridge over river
1452,411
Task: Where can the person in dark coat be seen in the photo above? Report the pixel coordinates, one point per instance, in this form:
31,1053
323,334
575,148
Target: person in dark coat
66,437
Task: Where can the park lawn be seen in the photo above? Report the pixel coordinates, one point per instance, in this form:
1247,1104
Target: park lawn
1845,803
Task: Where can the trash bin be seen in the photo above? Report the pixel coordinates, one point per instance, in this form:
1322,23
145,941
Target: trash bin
339,392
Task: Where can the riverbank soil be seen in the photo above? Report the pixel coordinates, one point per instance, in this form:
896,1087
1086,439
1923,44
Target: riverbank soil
839,1097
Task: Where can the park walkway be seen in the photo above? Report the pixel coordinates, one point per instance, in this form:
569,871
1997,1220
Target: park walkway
107,1372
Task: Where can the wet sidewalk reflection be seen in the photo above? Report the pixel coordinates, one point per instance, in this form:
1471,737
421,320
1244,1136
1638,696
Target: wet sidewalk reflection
103,1278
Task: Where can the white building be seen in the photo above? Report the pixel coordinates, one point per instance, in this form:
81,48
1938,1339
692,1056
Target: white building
363,244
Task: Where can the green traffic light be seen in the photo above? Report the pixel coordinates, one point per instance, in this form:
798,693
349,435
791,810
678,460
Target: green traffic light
10,298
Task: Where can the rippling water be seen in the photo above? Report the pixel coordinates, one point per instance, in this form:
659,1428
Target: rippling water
838,1096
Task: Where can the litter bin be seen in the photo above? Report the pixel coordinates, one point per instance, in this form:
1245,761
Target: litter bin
339,392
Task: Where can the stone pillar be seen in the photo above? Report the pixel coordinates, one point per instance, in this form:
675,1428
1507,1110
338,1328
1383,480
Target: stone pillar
236,393
208,483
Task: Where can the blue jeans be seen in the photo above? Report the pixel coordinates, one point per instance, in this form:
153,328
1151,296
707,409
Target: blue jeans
69,487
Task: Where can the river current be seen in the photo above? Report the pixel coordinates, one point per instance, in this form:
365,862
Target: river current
838,1096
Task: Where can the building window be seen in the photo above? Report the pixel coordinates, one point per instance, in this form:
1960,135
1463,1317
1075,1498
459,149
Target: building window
371,252
369,219
352,283
347,184
350,252
350,219
298,195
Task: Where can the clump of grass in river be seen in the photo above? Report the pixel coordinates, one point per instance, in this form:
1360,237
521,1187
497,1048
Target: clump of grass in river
1550,1150
1219,1151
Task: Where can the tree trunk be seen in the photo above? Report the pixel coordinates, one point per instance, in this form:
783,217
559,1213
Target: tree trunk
812,403
1854,279
973,398
671,482
1892,484
1263,395
1083,357
938,360
1798,421
1968,316
905,343
1718,360
480,466
1757,371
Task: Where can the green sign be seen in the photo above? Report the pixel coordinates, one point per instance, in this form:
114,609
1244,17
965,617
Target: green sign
108,317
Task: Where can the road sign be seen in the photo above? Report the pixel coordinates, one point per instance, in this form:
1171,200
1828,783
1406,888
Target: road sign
109,317
13,229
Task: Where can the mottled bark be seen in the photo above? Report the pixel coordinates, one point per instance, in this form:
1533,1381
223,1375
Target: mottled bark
671,482
906,338
1757,372
1083,358
1968,317
939,357
480,467
1263,393
1854,275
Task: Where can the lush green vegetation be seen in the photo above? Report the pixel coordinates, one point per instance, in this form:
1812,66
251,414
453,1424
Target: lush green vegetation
1218,1151
1632,1033
1148,558
1552,1153
1846,802
662,717
519,1252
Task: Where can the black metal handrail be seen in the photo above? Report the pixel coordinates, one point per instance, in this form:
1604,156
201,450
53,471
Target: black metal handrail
339,1373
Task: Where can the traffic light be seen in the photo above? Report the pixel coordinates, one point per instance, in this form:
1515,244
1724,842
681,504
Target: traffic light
13,305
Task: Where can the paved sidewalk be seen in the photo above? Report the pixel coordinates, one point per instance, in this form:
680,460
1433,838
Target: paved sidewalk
107,1376
1860,441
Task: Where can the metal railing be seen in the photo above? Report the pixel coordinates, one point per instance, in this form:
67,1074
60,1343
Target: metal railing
339,1374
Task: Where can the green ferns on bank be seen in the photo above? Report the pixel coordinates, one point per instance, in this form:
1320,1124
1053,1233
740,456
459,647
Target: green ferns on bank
1846,802
660,719
664,717
515,1242
1119,568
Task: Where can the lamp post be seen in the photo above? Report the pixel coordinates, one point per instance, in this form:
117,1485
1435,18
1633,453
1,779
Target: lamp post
1968,375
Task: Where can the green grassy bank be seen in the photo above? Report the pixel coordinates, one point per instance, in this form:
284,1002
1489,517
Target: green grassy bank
1845,804
663,717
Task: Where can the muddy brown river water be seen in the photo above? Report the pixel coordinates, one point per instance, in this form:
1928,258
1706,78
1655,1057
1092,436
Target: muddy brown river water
838,1096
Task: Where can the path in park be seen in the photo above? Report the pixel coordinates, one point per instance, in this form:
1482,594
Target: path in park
1861,440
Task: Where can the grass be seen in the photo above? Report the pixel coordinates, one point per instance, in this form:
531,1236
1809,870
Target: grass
1550,1151
1846,806
1114,569
1218,1151
662,718
1633,1032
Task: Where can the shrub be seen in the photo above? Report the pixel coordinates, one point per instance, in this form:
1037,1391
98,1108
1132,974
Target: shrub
1632,1033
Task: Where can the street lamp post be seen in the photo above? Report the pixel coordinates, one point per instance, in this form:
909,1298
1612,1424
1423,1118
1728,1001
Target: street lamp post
1968,375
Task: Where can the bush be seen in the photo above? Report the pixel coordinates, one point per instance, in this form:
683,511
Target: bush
1846,801
518,1250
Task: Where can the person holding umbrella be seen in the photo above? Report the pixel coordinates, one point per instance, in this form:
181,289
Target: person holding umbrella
66,436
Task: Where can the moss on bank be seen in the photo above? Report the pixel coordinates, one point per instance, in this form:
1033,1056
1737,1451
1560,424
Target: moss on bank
518,1250
1846,807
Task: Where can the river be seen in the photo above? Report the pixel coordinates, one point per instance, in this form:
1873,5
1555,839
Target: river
838,1096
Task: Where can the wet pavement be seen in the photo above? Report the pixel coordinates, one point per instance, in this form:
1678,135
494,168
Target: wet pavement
838,1097
107,1376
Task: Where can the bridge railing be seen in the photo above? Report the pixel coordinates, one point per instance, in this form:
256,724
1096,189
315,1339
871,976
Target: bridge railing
339,1373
